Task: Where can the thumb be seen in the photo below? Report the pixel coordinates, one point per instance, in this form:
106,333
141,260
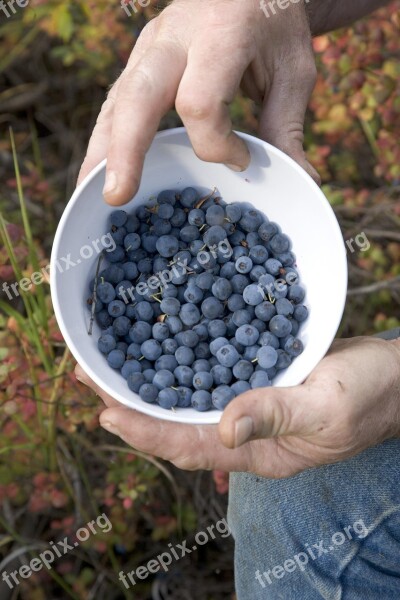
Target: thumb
284,108
266,413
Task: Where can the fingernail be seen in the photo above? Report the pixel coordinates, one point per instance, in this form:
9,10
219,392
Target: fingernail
235,168
108,426
243,430
111,183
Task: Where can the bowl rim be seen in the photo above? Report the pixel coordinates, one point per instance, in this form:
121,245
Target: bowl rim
204,418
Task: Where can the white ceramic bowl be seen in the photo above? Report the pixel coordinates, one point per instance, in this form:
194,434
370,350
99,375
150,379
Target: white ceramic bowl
273,183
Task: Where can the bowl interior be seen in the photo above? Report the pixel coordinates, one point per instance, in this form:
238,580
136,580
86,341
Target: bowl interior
273,183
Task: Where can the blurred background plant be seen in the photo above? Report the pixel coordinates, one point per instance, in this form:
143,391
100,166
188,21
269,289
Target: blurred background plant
57,469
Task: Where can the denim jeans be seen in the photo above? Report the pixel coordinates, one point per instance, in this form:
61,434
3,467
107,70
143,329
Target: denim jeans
331,532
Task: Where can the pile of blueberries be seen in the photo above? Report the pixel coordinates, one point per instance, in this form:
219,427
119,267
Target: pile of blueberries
200,300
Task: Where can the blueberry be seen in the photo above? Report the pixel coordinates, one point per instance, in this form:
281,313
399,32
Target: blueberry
247,335
293,346
168,345
259,379
167,246
273,266
201,400
201,364
116,359
284,360
170,306
149,374
284,307
167,197
151,349
105,292
140,332
132,241
189,233
265,311
167,362
184,356
165,211
251,220
222,288
121,325
204,281
190,339
193,294
202,331
280,326
216,344
202,350
106,343
215,215
184,396
240,387
241,317
258,254
243,370
196,217
184,375
212,308
235,302
253,294
267,357
269,339
221,375
118,218
167,398
148,392
129,367
239,283
279,243
189,197
134,351
203,380
300,313
116,255
216,328
189,314
160,331
227,356
233,212
266,231
178,218
163,379
221,396
175,325
214,235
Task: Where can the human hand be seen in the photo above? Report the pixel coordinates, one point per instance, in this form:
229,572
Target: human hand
196,55
351,401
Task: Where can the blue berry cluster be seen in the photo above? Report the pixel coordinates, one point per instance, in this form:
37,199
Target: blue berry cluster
200,300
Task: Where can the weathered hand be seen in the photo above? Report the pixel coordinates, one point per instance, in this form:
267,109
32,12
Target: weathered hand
351,401
195,55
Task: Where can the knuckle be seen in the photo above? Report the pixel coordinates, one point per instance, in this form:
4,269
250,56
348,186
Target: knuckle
137,83
193,107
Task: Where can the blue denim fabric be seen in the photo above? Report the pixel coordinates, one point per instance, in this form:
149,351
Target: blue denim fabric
332,532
